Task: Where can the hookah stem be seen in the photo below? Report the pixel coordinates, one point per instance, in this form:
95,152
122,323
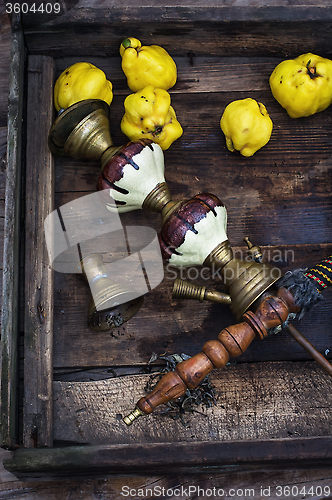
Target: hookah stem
183,289
232,341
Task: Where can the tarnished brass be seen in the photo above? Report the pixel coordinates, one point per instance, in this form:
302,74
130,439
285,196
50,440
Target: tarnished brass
244,280
220,256
254,250
185,290
158,198
112,304
133,416
82,131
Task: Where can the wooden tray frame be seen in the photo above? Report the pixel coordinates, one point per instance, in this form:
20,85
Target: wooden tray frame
38,457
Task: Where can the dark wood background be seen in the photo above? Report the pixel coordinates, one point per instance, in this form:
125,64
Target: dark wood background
268,200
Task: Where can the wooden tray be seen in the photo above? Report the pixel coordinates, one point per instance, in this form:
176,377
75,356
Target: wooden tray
273,403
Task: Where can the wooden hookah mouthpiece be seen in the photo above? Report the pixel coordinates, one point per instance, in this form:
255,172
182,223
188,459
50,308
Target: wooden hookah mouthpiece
232,341
297,292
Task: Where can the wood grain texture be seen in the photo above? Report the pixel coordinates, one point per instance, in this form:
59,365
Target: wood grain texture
192,38
3,162
232,482
201,29
5,40
3,165
38,338
254,402
11,253
195,73
166,326
163,458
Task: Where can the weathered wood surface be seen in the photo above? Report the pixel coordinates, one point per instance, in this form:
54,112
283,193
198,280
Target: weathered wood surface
111,488
185,27
11,253
169,327
195,73
233,482
281,198
39,287
167,458
254,402
3,164
5,38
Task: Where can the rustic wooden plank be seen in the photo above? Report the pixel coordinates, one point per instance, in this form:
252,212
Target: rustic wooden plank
194,73
11,266
38,338
290,29
179,458
271,482
258,401
5,42
3,161
3,165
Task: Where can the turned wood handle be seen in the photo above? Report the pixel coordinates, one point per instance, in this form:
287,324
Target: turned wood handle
190,373
232,341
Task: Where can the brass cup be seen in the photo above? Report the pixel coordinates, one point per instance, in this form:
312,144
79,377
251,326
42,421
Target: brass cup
82,131
244,281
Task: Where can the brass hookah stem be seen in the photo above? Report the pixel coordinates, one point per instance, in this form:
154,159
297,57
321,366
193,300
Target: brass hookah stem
185,290
232,341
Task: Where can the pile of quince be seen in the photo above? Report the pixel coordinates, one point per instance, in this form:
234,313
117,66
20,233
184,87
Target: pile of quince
303,86
150,72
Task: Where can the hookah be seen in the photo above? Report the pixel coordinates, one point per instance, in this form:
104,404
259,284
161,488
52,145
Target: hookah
193,233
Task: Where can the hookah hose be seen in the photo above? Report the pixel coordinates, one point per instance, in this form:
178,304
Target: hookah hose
307,287
321,274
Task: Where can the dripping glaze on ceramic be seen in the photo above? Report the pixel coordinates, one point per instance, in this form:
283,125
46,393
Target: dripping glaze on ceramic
131,174
193,230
